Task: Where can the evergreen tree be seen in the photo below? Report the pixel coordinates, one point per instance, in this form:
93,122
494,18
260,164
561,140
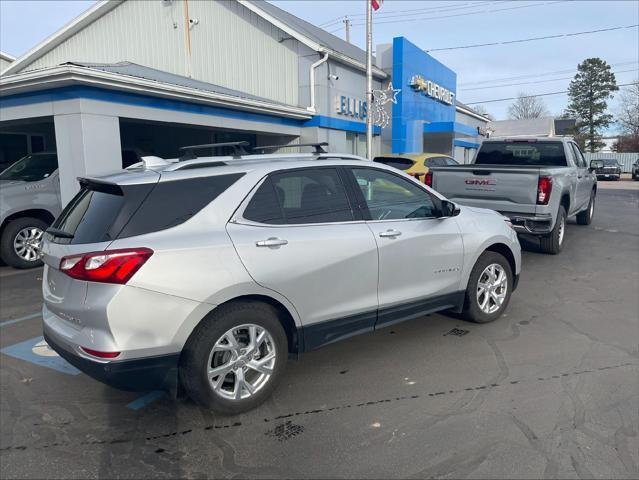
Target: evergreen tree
589,91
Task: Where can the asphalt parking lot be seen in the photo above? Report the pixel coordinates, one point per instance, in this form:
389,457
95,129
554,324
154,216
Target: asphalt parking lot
549,390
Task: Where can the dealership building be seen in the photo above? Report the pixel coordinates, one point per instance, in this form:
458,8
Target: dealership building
130,78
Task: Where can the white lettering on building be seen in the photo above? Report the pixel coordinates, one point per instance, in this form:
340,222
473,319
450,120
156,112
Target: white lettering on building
432,89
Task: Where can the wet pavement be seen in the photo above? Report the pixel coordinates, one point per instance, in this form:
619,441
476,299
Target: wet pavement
549,390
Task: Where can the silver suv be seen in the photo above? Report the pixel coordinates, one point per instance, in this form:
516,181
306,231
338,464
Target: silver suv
207,273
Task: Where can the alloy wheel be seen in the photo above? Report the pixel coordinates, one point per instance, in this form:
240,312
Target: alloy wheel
27,242
562,228
491,288
241,362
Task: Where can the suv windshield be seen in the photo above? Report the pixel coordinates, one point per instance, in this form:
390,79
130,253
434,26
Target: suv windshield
33,167
522,153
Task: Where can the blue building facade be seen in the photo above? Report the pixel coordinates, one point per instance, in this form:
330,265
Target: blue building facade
427,116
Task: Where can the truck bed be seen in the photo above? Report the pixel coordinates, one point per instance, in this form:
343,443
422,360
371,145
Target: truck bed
505,188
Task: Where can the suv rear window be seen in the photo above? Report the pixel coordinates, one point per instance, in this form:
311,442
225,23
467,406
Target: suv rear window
104,212
522,153
395,162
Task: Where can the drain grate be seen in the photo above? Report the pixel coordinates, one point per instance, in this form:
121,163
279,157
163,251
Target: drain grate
285,431
458,332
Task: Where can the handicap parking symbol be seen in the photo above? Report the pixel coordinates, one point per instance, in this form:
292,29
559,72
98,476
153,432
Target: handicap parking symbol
38,352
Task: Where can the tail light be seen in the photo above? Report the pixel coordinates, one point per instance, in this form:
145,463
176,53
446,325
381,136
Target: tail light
544,187
110,266
96,353
428,179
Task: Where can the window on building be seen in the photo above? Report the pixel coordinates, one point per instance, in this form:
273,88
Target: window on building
356,144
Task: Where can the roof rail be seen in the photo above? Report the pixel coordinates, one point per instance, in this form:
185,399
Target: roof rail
238,149
318,146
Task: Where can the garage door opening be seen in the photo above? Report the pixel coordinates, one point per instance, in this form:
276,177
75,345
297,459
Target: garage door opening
19,138
141,137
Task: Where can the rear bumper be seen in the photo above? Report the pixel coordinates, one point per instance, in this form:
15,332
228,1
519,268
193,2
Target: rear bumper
150,373
531,224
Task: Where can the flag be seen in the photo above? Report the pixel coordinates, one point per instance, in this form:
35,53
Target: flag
376,4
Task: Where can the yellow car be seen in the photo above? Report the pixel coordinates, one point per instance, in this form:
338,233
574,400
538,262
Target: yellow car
416,164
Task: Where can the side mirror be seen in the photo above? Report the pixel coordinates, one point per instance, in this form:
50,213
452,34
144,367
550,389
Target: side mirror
595,164
449,209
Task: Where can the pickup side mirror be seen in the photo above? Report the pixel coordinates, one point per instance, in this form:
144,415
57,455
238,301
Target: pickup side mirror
449,209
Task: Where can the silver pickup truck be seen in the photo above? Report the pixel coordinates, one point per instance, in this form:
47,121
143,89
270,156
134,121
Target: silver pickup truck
536,182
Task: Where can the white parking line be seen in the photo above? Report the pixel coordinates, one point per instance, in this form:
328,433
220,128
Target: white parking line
20,319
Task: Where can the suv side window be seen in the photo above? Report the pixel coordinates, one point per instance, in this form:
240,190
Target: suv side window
264,207
579,158
435,162
391,197
313,195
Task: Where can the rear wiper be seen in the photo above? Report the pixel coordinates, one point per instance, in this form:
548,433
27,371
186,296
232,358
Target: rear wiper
56,232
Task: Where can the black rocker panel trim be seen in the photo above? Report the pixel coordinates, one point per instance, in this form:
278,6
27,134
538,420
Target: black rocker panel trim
323,333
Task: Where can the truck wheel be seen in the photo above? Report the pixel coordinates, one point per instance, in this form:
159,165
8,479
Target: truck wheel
20,243
234,359
553,242
585,217
489,288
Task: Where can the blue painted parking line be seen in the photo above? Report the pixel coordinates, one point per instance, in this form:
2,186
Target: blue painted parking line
145,400
36,351
20,319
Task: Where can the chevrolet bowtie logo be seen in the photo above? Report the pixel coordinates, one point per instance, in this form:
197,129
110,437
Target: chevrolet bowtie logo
419,83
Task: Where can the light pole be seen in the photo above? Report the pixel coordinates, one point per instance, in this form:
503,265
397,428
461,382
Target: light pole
369,79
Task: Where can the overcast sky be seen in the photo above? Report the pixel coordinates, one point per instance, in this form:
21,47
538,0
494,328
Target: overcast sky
437,24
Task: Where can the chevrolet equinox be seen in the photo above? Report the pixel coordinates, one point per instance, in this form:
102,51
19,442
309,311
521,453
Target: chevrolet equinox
204,274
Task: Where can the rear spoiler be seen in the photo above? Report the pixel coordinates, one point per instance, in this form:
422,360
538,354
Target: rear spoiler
97,185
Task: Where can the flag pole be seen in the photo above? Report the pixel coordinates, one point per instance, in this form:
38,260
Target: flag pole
369,79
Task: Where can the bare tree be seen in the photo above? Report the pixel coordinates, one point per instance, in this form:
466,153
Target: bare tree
628,114
527,106
482,111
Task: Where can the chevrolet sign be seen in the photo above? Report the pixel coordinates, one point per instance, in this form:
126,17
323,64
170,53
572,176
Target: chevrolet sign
432,89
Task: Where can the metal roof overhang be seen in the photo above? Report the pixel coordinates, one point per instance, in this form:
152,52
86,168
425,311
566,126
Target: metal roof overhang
66,75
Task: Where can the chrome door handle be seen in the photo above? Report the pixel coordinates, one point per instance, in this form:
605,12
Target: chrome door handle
390,233
271,242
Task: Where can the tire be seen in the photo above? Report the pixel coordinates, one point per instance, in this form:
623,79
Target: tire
472,303
585,217
214,331
553,242
18,243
